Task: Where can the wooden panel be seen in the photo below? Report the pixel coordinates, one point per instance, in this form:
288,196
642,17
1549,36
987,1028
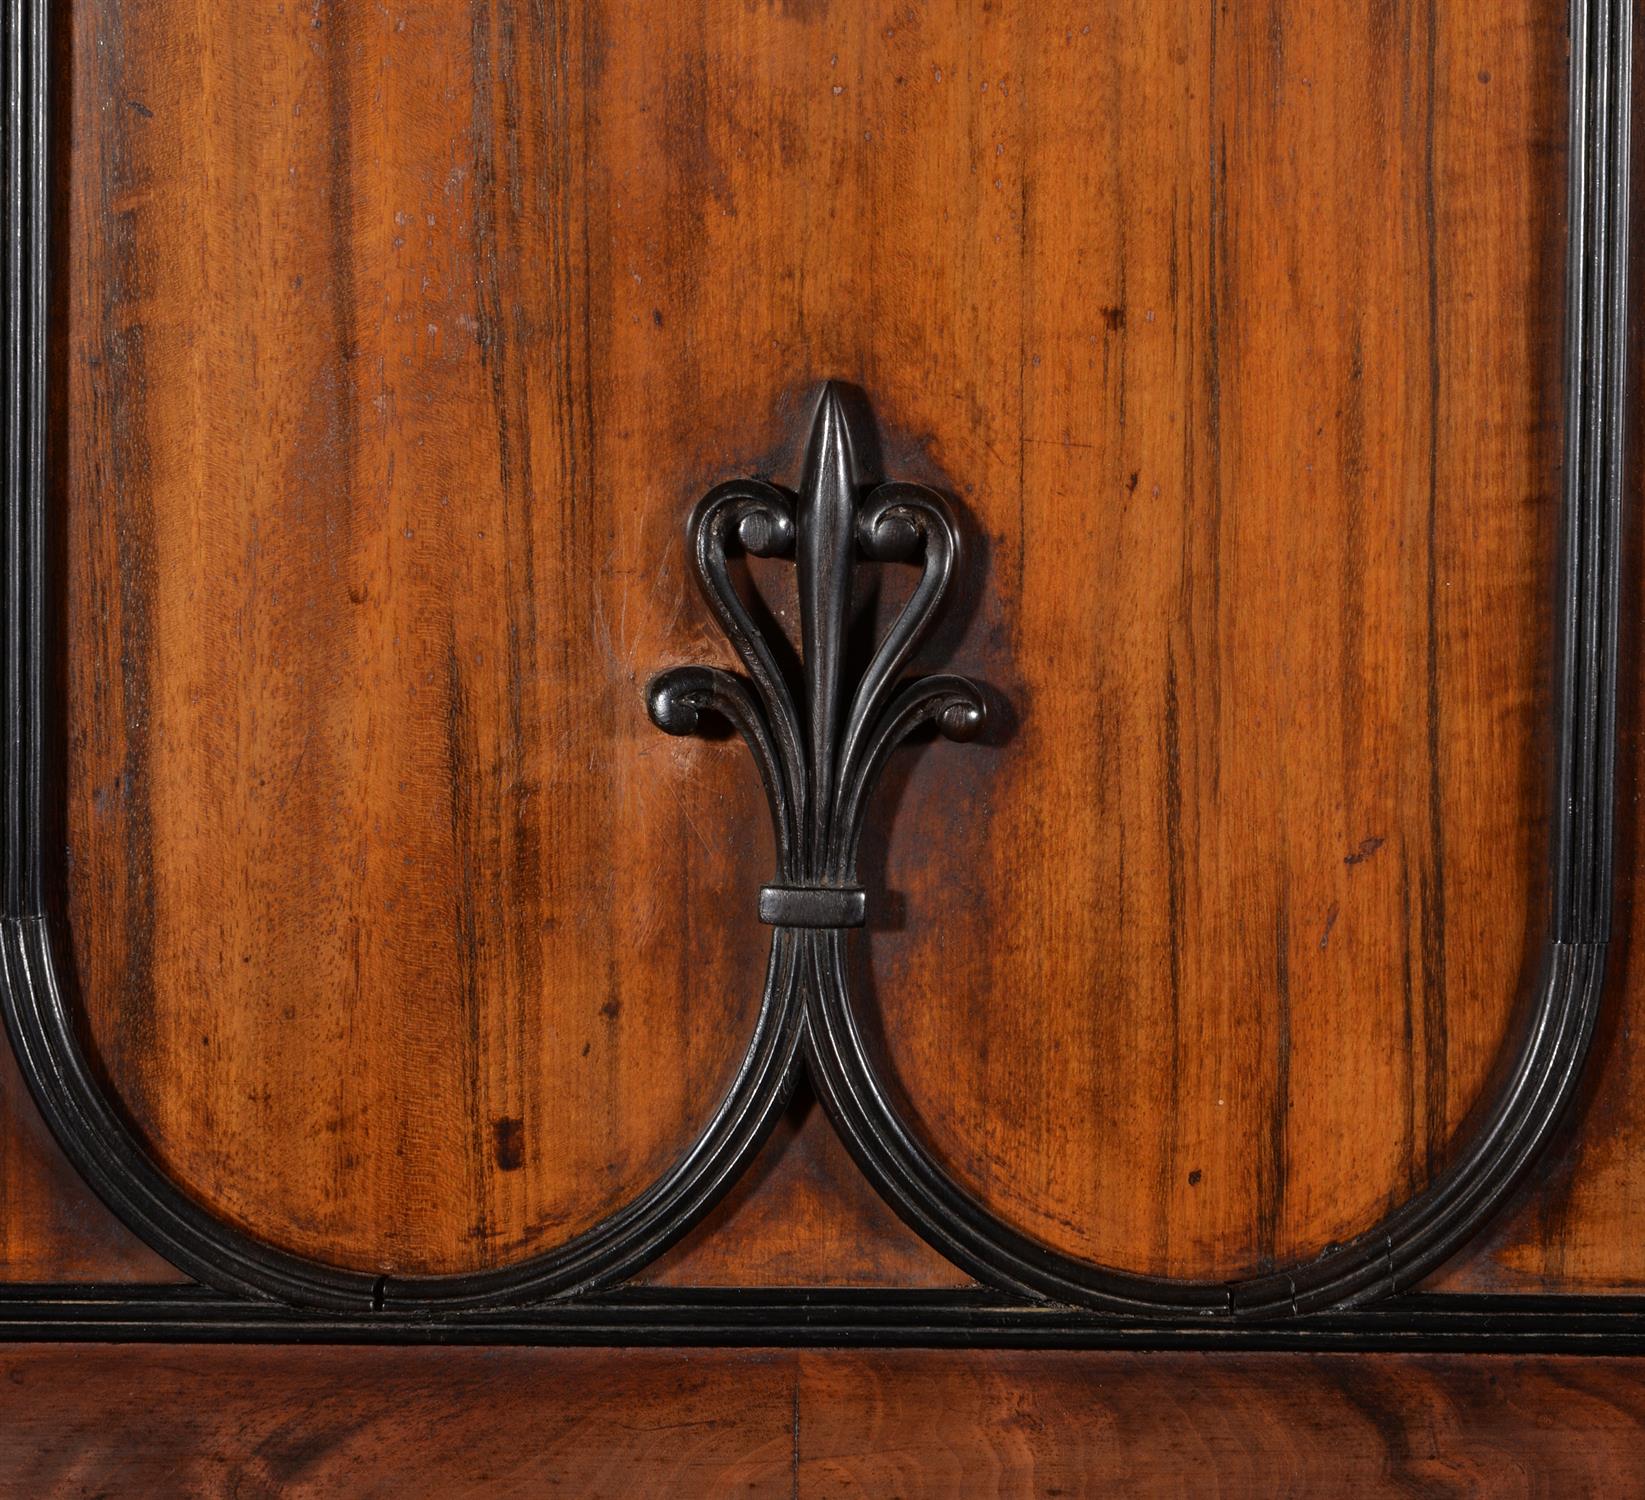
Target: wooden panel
51,1227
385,895
401,337
803,1215
1209,964
298,1423
1578,1224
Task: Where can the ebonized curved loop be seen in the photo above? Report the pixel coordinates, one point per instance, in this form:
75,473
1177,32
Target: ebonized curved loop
762,520
38,1010
109,1156
898,521
676,701
113,1161
1387,1258
953,704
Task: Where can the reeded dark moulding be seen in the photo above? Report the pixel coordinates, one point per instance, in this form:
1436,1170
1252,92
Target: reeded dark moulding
819,763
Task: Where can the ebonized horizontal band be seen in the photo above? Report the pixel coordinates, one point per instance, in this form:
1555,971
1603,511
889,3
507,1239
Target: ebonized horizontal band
844,1318
812,906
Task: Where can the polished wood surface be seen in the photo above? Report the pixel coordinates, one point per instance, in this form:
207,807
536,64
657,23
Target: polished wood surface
802,1215
394,344
397,343
386,897
52,1228
1577,1225
295,1423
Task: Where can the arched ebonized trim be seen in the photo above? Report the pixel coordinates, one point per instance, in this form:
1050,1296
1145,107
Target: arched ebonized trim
39,1011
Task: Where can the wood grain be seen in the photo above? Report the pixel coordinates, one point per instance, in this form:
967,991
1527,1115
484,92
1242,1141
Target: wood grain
51,1226
1577,1224
386,903
334,1422
399,340
1236,941
803,1215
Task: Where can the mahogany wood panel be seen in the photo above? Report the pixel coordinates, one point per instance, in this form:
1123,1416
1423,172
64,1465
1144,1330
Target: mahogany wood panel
1578,1224
803,1215
398,339
1262,859
294,1423
52,1228
390,906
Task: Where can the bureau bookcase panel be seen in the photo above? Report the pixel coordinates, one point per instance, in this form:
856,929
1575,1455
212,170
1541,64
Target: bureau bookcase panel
391,348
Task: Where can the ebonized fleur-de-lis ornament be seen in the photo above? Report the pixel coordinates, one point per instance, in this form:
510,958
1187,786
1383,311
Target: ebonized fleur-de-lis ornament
820,743
819,752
